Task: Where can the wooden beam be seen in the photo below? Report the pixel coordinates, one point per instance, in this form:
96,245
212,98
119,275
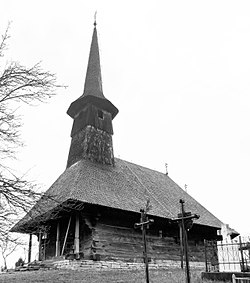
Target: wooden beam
181,245
77,243
30,247
58,239
40,245
66,235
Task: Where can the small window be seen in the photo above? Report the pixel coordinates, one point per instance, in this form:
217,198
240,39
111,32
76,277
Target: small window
100,114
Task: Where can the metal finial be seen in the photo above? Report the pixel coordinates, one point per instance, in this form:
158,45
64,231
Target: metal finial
166,165
95,19
185,186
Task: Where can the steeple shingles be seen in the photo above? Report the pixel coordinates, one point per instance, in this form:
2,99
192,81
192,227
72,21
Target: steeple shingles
93,92
93,80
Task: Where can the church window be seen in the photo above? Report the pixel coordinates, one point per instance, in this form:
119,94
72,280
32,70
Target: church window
100,114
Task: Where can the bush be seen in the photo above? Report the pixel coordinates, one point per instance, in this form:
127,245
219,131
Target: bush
20,262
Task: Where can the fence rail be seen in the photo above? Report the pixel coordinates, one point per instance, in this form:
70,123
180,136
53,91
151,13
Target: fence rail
231,255
240,279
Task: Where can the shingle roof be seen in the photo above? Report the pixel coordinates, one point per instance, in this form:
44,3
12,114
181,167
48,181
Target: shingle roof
125,186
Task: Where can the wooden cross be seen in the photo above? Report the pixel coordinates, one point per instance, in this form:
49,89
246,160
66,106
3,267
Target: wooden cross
185,220
144,224
95,18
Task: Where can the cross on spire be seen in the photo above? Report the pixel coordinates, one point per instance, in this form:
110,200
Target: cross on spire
95,19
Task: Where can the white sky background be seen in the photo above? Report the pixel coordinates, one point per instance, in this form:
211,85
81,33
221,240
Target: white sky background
179,73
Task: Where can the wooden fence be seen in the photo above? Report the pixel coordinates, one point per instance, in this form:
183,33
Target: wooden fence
240,279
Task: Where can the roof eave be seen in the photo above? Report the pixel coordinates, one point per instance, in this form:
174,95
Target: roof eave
105,104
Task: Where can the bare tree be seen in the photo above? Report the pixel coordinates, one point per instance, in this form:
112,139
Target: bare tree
18,85
8,245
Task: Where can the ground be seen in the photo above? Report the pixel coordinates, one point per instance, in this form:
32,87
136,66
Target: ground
105,276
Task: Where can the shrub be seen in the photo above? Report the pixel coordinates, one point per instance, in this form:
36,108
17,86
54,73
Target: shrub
20,262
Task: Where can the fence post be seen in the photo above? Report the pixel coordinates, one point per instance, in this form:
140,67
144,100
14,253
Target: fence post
242,256
233,278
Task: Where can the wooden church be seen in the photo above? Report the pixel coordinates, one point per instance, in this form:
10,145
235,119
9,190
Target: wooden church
90,210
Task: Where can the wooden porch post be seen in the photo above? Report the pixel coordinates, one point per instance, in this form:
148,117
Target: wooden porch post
77,243
30,246
40,245
66,235
58,239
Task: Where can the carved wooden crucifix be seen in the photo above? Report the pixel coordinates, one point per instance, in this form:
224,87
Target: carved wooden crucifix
144,224
185,221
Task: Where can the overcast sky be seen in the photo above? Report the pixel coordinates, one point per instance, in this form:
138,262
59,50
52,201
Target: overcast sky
179,73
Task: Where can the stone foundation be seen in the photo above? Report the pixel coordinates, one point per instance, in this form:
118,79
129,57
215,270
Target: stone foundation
107,265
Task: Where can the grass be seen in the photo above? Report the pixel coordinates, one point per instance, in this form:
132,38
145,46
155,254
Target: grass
103,276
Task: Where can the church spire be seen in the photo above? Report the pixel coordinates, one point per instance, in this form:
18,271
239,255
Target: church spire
93,114
93,80
93,83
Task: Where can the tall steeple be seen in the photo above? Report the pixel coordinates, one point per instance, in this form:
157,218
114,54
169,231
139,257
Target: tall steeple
93,80
93,83
92,113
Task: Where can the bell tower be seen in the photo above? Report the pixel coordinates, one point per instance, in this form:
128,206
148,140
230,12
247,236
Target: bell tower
93,114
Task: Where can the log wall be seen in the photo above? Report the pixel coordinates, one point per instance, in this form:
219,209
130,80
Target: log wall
111,237
121,243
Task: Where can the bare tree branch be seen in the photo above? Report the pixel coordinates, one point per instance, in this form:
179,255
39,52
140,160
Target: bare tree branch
19,85
3,43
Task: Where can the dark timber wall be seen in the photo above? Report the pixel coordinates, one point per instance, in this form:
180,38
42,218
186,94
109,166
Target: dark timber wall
121,243
109,234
